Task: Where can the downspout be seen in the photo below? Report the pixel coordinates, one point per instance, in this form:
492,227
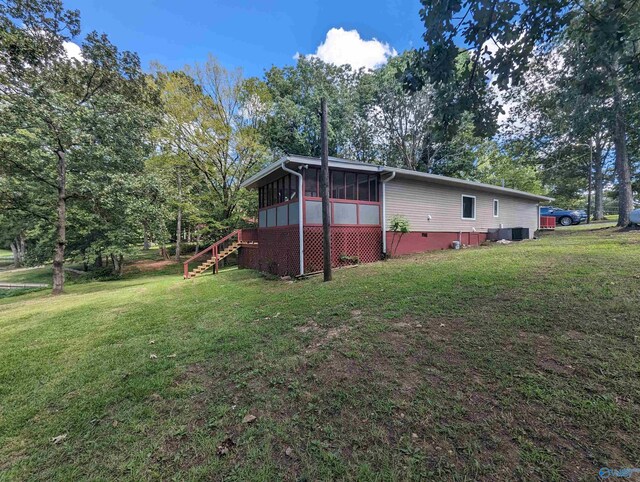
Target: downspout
300,214
384,212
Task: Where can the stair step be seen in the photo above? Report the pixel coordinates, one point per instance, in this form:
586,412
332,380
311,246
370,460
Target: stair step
221,255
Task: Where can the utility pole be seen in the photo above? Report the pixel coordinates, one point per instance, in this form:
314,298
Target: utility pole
324,190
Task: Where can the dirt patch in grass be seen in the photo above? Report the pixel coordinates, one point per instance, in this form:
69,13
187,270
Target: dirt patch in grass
145,265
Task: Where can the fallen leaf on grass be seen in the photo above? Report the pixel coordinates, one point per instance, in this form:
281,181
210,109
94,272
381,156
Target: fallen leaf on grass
153,356
59,438
173,355
249,418
288,452
152,342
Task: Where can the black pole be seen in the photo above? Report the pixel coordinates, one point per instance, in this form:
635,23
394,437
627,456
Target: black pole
324,189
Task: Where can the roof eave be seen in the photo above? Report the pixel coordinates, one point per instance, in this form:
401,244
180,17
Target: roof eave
450,181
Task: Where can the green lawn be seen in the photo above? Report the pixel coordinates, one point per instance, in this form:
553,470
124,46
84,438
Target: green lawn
504,362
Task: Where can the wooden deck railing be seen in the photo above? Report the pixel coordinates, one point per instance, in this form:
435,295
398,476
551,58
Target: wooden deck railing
214,249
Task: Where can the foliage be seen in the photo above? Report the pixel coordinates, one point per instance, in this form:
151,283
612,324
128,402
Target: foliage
212,119
68,123
505,37
399,224
498,166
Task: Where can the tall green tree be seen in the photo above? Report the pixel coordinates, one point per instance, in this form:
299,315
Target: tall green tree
213,118
66,121
294,126
505,36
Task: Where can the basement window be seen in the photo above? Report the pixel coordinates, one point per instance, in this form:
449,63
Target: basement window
468,207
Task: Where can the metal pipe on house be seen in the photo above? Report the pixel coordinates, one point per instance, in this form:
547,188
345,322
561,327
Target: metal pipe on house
300,213
384,211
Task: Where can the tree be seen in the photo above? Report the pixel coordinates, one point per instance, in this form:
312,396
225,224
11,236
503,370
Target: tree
403,120
212,118
294,126
183,191
65,119
505,36
565,121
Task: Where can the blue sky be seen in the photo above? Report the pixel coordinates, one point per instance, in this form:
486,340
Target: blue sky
253,34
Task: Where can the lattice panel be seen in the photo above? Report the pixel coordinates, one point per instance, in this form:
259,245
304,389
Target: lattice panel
348,244
278,250
248,257
250,234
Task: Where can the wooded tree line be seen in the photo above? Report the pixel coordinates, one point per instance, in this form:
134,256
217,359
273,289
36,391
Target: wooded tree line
99,156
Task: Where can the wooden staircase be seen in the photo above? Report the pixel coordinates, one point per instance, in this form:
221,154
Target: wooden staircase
218,251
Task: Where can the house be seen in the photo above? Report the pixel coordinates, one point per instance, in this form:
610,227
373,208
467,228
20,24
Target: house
364,199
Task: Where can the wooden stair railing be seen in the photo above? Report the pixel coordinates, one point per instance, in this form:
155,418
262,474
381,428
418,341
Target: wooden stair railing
219,250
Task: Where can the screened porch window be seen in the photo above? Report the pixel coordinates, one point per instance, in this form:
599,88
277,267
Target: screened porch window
311,182
279,191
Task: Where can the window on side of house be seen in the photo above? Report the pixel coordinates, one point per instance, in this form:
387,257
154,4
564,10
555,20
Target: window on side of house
468,207
293,189
350,183
373,188
363,187
337,184
496,208
311,182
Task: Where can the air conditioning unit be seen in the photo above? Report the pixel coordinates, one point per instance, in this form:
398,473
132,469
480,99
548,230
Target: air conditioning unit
518,234
510,234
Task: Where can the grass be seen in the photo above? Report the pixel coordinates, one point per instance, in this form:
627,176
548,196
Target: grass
503,362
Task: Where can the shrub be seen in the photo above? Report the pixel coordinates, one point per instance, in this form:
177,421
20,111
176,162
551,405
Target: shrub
399,224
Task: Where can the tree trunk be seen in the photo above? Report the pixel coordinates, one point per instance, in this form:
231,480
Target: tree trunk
598,184
117,263
179,222
98,262
19,250
623,171
61,224
145,238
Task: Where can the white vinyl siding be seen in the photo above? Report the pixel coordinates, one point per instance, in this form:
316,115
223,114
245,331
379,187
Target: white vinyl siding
417,200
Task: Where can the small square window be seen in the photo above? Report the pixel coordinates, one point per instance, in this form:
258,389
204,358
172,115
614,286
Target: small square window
496,208
468,207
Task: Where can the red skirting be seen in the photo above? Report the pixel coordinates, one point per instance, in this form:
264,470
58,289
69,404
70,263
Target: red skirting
277,250
417,242
248,257
349,245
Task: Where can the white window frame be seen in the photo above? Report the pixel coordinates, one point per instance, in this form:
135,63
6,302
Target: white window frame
475,206
495,208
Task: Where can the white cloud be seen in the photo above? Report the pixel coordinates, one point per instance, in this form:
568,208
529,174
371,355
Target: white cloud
72,50
347,47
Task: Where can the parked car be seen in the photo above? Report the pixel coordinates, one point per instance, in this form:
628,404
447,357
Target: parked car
564,217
